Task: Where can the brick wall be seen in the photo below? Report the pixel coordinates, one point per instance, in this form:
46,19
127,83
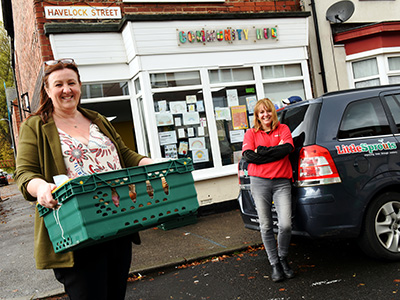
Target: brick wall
27,51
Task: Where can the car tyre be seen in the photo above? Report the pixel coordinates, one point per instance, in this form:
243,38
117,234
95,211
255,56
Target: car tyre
380,236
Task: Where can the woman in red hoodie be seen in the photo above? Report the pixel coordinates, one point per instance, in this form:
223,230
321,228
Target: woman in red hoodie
266,148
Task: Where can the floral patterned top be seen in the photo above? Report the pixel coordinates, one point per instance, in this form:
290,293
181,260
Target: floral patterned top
100,155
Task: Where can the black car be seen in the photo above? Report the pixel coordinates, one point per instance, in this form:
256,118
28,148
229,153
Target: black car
3,178
346,168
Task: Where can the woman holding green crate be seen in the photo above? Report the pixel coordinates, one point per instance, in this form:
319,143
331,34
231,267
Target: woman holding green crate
63,138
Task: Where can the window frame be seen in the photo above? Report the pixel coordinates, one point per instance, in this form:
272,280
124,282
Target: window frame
382,56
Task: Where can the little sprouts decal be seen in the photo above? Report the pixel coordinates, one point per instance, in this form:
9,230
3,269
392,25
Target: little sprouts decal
366,148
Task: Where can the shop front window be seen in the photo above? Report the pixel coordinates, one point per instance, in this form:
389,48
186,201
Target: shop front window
163,80
231,75
281,71
282,90
100,90
182,126
282,81
233,108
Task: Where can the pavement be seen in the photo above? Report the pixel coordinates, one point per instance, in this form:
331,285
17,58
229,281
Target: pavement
216,232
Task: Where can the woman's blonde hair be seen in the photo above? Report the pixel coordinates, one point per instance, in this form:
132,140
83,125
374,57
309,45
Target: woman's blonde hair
269,106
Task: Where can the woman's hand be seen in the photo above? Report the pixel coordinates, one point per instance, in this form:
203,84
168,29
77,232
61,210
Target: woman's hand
41,189
146,161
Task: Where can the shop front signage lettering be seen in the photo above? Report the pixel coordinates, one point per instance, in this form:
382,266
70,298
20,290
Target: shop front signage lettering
228,35
369,148
82,12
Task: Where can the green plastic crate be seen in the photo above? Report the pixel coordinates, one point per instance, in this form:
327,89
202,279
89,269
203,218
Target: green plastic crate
87,214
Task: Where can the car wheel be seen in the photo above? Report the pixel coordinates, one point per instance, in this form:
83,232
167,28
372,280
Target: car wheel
380,237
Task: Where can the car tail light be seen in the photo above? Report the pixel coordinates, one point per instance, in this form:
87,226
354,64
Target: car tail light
316,167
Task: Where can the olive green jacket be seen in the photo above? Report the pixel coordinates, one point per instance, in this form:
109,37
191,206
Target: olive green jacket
39,155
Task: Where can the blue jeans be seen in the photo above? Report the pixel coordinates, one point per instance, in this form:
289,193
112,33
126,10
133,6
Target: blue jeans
276,191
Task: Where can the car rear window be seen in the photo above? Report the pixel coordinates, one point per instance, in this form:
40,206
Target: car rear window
293,117
364,118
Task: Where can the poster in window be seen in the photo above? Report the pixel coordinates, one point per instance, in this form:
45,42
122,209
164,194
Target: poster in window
251,102
171,151
200,155
177,107
183,148
222,113
162,106
164,119
203,122
191,118
251,121
200,131
190,131
197,143
236,136
200,106
178,122
232,97
181,133
191,99
167,137
239,117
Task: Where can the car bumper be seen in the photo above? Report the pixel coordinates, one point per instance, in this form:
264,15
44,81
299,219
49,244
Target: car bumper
315,213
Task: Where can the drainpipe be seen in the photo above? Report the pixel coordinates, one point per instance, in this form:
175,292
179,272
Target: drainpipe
321,59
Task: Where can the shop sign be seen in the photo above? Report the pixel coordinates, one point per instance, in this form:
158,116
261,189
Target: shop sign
82,12
227,35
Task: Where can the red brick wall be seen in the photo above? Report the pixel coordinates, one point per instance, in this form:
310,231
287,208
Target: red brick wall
27,50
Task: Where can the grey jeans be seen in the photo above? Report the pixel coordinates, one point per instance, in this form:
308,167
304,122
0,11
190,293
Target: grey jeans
276,191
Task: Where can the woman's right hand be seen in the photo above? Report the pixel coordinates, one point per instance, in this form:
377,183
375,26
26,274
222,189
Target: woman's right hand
44,196
42,191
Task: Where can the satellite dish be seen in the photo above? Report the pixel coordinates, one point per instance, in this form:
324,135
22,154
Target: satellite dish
340,11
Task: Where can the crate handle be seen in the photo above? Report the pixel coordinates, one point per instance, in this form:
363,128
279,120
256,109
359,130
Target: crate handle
57,219
173,167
